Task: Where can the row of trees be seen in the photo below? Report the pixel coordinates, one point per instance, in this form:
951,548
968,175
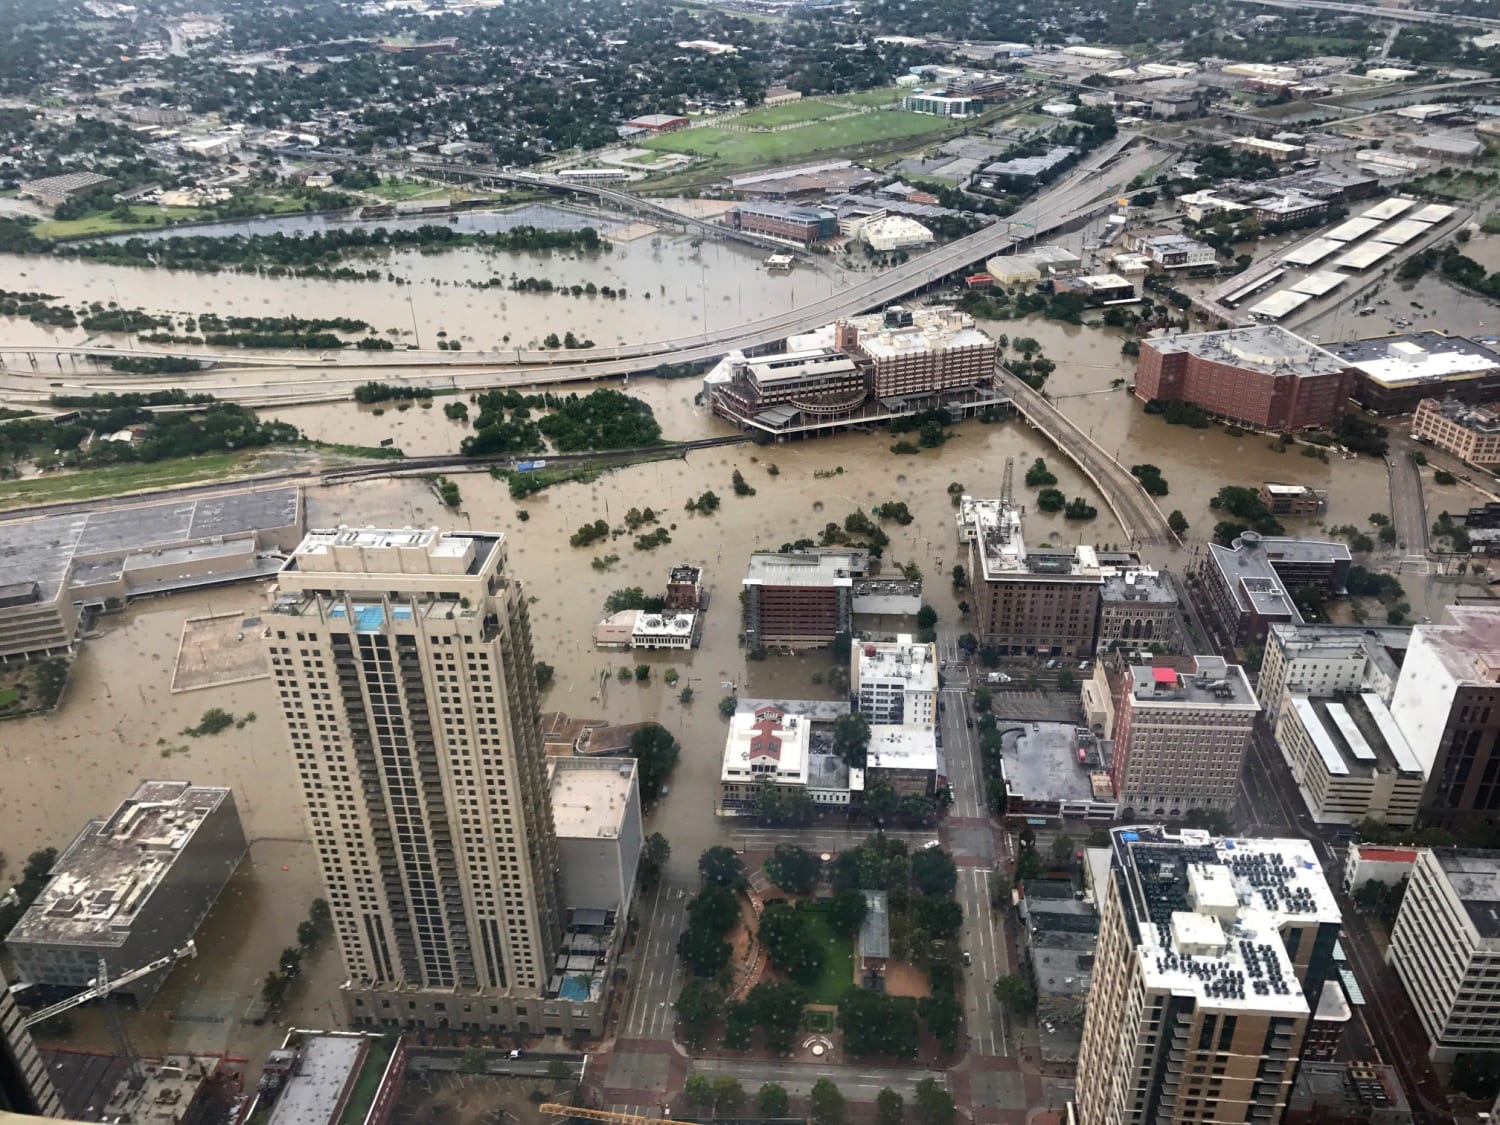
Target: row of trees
722,1096
301,254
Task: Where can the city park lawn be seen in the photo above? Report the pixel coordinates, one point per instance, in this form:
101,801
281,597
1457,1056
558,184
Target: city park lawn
883,96
837,977
744,150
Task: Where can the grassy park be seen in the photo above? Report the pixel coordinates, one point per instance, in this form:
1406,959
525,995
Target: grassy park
143,217
788,113
838,961
881,97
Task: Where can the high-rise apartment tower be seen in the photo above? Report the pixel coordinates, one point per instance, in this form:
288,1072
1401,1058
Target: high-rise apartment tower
1211,964
25,1085
404,666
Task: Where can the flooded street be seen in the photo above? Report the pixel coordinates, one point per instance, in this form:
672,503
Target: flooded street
85,758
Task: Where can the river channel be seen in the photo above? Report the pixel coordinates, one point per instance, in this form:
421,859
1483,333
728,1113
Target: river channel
675,284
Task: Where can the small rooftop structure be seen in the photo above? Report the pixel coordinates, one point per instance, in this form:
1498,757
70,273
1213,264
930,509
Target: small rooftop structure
875,930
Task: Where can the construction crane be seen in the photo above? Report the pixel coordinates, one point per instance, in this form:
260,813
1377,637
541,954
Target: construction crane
1008,484
608,1116
101,988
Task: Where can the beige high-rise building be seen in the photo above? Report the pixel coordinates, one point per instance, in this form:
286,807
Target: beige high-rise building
404,666
1180,731
1208,951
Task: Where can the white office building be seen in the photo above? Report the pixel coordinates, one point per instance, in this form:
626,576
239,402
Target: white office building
1445,947
1349,759
895,682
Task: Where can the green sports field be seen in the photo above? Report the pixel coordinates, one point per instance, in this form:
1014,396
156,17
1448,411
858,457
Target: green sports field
789,113
733,149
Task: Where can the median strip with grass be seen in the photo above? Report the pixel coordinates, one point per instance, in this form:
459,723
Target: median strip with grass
115,480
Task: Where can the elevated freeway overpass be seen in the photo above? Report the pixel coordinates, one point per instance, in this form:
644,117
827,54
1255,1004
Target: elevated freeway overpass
1380,12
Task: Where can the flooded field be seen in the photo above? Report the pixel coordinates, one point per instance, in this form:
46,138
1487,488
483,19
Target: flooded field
675,285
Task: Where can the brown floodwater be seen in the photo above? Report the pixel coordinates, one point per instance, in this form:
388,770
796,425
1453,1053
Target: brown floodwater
675,286
119,722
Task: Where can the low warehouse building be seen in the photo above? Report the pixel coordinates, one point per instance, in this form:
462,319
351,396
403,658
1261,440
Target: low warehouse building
52,567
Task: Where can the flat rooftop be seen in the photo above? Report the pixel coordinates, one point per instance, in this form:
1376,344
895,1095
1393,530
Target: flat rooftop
915,665
1384,645
1213,683
1416,357
767,738
42,550
1041,763
398,552
1355,735
1475,879
590,795
1266,349
1474,418
996,527
1207,914
106,877
820,569
1254,583
312,1094
932,329
789,367
1030,165
875,930
904,746
1466,644
1139,586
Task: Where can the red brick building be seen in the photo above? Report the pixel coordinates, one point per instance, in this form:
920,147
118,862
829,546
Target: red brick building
799,600
657,123
1263,378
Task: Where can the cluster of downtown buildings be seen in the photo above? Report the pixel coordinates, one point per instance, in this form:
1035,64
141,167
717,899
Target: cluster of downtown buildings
474,883
1267,378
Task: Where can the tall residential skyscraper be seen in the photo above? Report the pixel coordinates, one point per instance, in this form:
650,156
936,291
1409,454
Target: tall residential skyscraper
1209,951
404,666
25,1085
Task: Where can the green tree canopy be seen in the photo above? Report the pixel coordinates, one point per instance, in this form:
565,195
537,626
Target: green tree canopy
793,869
720,864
